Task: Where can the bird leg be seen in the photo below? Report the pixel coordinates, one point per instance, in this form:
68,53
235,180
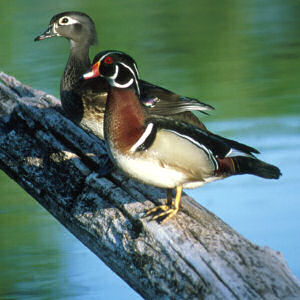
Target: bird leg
168,209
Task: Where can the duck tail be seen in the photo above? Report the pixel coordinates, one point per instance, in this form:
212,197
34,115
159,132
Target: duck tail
247,165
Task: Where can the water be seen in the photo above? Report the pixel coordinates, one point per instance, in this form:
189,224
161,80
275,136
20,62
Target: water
243,57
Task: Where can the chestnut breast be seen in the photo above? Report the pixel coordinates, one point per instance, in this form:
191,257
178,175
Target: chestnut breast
124,119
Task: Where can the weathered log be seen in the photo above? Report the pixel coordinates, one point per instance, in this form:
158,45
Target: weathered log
192,256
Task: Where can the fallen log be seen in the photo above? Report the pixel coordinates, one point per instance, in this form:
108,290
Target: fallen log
195,255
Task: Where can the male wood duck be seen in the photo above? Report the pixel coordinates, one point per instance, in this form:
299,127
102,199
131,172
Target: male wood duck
161,151
84,102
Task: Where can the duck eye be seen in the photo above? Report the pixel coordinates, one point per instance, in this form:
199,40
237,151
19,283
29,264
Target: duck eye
64,20
108,60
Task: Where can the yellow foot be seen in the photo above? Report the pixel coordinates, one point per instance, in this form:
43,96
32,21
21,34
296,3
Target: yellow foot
162,212
154,210
167,211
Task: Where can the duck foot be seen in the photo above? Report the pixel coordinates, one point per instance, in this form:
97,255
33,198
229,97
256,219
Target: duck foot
161,213
164,212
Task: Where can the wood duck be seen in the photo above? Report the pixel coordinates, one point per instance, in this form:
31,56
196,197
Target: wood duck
161,151
84,102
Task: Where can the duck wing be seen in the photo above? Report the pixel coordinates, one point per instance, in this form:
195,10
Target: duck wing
164,102
211,143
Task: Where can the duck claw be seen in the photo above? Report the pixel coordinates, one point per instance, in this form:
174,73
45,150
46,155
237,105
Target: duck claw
161,213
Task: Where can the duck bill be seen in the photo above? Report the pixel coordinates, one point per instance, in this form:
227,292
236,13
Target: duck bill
93,72
50,32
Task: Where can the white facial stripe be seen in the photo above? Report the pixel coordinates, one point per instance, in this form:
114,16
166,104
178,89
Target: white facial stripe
122,86
115,75
143,138
131,71
134,76
54,27
136,70
206,150
121,53
70,21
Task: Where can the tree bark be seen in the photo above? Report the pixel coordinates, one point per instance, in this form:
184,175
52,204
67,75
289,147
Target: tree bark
195,255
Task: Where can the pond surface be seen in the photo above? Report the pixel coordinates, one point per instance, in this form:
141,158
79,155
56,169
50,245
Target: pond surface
243,57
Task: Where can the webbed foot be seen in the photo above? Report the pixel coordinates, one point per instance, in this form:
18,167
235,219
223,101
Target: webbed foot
164,212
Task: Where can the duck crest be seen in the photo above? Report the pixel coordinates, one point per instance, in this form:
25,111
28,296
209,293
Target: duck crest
125,122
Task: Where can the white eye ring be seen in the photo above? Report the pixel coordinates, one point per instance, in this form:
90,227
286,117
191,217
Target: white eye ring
67,21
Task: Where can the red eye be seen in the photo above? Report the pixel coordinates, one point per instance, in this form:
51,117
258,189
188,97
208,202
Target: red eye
108,60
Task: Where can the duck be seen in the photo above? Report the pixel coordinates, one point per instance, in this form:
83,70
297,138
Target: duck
84,102
162,151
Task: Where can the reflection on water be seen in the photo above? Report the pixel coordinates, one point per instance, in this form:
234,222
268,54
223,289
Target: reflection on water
243,58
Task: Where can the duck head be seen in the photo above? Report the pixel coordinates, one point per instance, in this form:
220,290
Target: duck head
78,27
118,68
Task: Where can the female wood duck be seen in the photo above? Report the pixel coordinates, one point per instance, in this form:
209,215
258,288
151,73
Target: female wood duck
84,102
161,151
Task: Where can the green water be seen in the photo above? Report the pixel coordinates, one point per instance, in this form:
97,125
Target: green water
243,57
